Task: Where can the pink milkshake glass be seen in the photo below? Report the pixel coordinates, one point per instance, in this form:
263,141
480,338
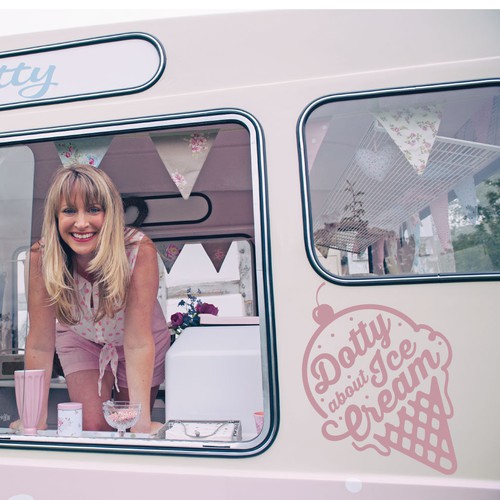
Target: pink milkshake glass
29,386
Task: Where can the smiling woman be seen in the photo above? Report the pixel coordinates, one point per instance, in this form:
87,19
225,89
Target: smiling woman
78,225
99,281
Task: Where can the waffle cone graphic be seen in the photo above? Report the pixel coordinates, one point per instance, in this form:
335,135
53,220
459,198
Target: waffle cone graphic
423,433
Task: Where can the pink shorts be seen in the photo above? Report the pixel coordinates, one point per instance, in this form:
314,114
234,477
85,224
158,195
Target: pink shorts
77,353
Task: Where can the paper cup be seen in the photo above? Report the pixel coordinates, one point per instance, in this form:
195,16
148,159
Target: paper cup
259,420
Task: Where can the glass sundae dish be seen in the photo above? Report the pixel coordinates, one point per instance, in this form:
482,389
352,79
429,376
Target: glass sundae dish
121,415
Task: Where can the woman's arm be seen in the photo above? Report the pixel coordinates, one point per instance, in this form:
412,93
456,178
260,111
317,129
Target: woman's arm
138,340
40,342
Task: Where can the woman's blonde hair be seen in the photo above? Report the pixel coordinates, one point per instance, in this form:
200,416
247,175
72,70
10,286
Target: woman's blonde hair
109,267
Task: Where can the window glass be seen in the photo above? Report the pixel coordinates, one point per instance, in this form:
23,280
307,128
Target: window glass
190,189
16,201
404,184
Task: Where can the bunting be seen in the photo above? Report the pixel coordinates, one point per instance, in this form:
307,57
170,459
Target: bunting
376,164
439,212
86,151
413,226
378,255
414,131
169,252
481,122
217,251
184,155
323,250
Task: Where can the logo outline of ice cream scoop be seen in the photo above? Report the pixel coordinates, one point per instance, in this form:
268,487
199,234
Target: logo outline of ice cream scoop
369,370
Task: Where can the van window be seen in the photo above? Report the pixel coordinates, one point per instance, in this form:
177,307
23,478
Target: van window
403,185
192,186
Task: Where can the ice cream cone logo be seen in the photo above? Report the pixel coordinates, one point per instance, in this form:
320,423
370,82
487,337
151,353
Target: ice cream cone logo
380,380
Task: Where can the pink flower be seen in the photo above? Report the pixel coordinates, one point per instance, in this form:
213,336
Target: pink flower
172,252
176,319
205,308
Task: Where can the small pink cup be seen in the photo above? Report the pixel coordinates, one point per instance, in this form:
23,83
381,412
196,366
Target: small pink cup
259,421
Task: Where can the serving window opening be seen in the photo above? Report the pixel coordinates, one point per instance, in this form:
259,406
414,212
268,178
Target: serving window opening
191,189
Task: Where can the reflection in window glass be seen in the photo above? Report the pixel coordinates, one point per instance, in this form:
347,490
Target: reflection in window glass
406,185
16,201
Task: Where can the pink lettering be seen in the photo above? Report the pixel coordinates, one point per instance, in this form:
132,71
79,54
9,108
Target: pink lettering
362,340
347,357
419,364
322,368
342,396
377,367
353,420
400,387
405,352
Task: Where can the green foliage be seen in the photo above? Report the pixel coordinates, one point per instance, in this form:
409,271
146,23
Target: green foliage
487,233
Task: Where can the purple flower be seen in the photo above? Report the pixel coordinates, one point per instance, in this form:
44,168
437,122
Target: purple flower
176,319
205,308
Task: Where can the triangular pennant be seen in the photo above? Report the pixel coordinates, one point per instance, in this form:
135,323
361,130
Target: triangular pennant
466,194
217,251
414,131
481,122
439,212
323,250
86,151
413,226
169,252
378,256
315,133
376,164
184,156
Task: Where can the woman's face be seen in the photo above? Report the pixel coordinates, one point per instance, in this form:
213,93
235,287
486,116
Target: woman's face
79,226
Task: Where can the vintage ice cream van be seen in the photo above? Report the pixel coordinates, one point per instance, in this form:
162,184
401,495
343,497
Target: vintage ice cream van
328,182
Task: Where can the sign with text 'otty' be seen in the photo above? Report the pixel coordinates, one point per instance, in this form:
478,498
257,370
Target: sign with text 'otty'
83,69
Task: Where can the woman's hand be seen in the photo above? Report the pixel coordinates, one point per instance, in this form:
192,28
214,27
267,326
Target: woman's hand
17,426
155,427
152,429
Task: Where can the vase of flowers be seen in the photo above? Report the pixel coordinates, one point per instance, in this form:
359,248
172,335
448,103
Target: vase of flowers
190,316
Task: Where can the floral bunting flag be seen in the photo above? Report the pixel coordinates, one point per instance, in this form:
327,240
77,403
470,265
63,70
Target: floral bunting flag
315,133
439,212
481,122
378,256
323,250
87,151
377,164
217,251
414,131
184,156
413,226
169,252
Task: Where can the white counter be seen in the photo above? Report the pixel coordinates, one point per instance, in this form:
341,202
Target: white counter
215,373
